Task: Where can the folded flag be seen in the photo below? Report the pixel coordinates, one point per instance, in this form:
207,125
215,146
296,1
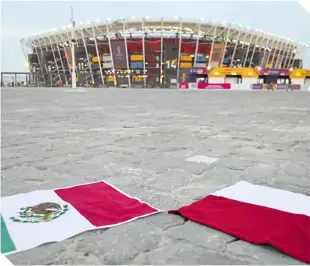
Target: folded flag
31,219
257,214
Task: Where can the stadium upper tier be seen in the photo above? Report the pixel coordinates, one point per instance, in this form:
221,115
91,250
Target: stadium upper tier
194,29
159,50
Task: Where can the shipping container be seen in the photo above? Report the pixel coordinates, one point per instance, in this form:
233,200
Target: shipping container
136,57
186,64
136,65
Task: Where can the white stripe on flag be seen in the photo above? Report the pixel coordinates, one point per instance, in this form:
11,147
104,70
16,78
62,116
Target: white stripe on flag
68,225
268,197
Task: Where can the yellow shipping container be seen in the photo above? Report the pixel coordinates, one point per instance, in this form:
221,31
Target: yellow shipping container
186,58
136,57
186,65
110,78
137,78
95,59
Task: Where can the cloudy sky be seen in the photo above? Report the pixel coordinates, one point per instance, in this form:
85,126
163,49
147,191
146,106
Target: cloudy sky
19,19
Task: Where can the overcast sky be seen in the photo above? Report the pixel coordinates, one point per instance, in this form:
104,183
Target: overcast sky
19,19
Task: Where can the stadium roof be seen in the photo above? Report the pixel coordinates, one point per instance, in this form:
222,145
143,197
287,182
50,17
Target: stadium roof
226,31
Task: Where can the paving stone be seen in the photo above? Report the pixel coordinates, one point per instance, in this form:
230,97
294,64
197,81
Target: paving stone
199,235
180,253
257,254
119,244
138,140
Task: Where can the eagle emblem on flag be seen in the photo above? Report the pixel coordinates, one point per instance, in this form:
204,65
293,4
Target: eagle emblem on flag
43,212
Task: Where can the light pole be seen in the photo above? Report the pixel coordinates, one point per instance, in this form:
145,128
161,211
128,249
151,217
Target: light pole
73,73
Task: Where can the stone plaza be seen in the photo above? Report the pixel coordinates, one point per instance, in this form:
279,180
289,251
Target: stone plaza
166,147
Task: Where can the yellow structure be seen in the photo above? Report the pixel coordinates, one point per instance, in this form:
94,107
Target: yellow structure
300,73
226,71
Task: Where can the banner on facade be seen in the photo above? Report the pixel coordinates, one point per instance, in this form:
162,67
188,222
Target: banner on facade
274,72
119,54
217,55
68,53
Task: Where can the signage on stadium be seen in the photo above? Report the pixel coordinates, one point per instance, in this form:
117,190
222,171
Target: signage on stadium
274,72
119,54
171,64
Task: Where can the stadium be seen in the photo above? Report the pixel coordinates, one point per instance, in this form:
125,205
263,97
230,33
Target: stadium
161,53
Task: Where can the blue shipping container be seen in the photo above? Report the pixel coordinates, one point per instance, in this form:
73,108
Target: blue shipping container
136,65
226,60
201,59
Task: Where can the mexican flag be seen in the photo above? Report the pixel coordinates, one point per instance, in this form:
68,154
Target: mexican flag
257,214
31,219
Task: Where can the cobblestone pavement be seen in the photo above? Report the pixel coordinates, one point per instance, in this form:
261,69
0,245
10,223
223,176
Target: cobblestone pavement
139,141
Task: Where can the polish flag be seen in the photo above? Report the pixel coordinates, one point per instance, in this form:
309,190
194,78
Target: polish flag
259,215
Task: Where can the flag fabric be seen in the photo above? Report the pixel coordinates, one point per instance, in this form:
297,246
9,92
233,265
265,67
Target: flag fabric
257,214
31,219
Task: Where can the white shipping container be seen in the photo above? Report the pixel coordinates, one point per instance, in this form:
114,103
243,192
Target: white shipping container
200,65
107,65
214,64
107,58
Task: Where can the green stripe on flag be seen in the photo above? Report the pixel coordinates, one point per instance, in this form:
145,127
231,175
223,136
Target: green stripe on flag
7,244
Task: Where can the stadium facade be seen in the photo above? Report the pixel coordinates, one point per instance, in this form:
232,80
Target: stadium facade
154,53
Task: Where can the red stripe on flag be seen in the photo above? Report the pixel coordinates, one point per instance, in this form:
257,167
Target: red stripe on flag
285,231
103,205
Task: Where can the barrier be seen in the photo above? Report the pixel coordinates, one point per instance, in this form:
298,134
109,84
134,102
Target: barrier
241,87
282,87
223,86
276,87
192,86
183,85
296,87
257,86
